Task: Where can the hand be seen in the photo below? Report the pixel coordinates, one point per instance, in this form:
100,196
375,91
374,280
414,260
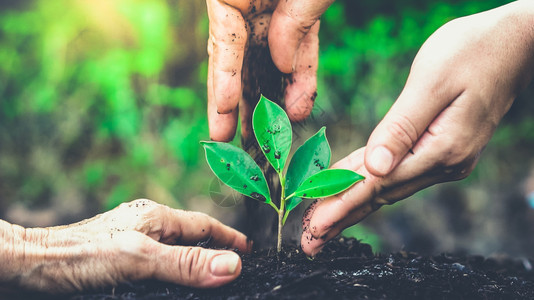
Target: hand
131,242
291,28
463,80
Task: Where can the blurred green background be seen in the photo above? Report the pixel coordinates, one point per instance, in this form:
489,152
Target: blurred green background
103,102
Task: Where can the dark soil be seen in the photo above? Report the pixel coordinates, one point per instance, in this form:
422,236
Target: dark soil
347,269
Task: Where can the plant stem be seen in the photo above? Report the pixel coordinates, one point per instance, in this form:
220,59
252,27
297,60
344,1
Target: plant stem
273,206
281,213
285,218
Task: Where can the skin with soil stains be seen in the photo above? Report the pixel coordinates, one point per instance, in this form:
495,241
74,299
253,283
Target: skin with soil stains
136,240
240,61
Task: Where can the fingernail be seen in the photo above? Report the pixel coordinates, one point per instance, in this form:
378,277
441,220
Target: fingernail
381,160
224,264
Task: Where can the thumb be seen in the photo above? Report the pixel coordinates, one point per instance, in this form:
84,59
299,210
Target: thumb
291,21
407,120
196,266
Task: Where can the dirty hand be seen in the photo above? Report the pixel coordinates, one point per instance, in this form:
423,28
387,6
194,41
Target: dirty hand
463,80
291,28
134,241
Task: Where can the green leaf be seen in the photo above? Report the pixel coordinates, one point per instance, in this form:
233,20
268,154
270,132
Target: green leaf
237,169
310,158
273,132
292,203
327,183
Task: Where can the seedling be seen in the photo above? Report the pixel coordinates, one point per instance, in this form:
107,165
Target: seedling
307,175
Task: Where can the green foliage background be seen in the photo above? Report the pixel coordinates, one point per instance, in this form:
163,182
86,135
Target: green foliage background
104,101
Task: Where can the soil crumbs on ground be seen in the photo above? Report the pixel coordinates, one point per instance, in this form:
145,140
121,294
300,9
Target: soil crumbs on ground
347,269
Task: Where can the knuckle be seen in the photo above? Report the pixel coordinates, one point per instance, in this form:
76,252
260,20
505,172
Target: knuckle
452,154
139,203
461,169
232,32
385,194
197,215
381,199
191,260
457,172
146,207
143,215
457,159
207,221
132,254
303,24
403,131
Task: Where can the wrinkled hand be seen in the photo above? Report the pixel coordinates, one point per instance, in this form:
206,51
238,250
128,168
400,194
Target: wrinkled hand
132,242
291,29
463,80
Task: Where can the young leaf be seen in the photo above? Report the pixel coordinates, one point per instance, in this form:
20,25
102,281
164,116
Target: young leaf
237,169
327,183
291,203
310,158
273,132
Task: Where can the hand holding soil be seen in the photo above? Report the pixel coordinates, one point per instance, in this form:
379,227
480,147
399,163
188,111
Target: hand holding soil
132,242
289,28
463,80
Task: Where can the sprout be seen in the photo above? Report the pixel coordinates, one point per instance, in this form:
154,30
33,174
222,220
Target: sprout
306,176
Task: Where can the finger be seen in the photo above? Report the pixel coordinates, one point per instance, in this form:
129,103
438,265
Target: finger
301,89
327,218
430,164
439,155
312,245
447,151
350,207
290,23
222,126
420,102
334,211
228,38
194,266
192,227
309,244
